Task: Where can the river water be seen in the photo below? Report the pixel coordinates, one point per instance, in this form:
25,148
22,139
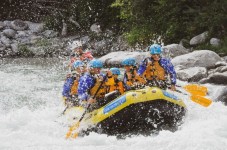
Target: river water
31,106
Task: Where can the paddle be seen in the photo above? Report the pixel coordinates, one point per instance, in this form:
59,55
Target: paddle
76,125
198,99
201,100
196,89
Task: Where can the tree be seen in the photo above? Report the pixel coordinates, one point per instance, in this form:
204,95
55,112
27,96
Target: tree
172,20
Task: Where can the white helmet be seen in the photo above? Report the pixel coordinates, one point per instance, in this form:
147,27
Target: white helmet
76,44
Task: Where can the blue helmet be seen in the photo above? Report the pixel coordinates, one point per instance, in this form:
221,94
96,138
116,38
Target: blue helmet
115,71
78,63
155,49
129,62
95,63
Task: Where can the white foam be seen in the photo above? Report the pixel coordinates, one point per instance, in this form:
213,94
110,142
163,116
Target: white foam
30,105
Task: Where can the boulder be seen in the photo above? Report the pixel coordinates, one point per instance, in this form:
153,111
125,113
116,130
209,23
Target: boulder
50,33
174,50
38,51
35,27
2,47
193,74
215,41
200,58
6,41
224,58
2,25
101,47
7,24
14,47
120,45
222,96
216,78
95,28
115,58
220,63
201,38
19,25
10,33
224,69
218,69
22,34
34,38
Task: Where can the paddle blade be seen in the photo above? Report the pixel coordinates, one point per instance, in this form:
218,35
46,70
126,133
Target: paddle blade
201,100
71,129
75,135
196,89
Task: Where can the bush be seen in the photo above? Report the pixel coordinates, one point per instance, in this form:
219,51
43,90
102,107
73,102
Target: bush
221,49
25,51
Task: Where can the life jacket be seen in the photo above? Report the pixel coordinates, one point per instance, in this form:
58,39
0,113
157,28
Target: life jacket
114,84
102,91
135,77
154,71
74,87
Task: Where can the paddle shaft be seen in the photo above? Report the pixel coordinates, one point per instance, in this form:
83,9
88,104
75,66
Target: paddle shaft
81,118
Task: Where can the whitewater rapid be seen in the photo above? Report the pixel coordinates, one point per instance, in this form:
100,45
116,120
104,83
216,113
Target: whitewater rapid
31,106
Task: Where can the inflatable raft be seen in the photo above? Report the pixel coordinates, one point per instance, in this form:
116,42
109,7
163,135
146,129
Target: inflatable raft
135,112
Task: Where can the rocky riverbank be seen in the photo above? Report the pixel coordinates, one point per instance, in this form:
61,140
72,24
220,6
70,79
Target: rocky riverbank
29,39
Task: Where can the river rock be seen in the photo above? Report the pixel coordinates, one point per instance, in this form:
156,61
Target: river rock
216,78
14,47
101,47
222,96
35,27
200,58
218,69
120,44
50,33
6,41
224,58
22,34
19,25
38,51
95,28
224,69
2,46
174,50
193,74
115,58
1,25
201,38
7,24
215,41
220,63
10,33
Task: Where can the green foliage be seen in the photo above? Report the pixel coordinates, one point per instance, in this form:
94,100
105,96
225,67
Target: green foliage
42,42
221,49
173,20
52,23
144,21
139,36
85,13
25,51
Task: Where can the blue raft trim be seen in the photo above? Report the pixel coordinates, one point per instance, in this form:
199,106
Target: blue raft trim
167,94
114,104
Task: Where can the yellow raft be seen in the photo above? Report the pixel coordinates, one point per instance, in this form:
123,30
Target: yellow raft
135,112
